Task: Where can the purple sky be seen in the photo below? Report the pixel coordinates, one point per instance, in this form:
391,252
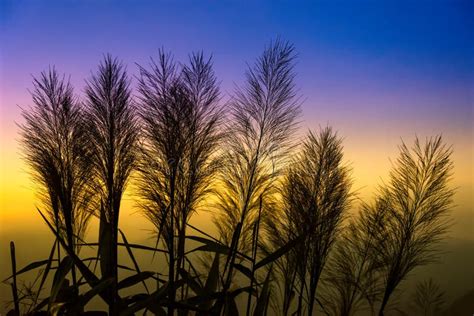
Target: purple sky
377,73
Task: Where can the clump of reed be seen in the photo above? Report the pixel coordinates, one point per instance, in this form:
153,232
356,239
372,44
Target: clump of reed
287,242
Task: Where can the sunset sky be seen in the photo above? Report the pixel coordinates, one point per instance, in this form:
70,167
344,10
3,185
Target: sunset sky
376,73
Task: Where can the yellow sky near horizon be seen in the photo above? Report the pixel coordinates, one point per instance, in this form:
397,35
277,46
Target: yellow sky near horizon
369,159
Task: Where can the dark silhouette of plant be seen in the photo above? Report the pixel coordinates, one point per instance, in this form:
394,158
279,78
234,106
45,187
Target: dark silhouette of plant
281,218
202,160
428,299
316,195
351,279
263,117
181,128
54,142
417,201
113,132
277,235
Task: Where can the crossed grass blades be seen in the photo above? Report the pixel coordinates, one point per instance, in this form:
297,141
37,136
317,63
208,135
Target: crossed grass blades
287,242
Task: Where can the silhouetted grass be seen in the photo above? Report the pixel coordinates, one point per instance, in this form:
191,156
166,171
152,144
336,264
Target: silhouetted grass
428,299
286,243
316,194
417,200
112,136
55,140
181,120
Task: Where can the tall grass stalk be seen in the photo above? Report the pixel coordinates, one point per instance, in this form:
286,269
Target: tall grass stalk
54,139
316,196
181,118
112,141
417,200
263,118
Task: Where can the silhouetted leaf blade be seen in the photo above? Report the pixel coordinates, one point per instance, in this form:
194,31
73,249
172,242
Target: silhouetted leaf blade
134,279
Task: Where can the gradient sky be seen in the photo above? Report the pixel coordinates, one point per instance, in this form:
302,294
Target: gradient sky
377,73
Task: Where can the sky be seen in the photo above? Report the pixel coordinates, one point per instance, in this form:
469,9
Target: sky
379,72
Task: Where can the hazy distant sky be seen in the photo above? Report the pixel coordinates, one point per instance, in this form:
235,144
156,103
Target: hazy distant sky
377,71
